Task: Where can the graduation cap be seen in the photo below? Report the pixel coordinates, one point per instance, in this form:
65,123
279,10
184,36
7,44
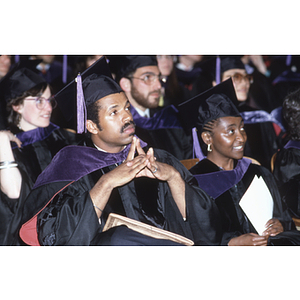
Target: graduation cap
19,79
216,66
93,84
122,65
231,62
212,104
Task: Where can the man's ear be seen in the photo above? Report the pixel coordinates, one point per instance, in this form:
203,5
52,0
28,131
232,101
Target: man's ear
214,83
206,137
125,84
91,127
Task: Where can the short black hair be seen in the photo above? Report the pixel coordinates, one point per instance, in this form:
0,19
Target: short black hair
92,111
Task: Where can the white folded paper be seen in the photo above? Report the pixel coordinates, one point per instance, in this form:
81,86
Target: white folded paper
257,204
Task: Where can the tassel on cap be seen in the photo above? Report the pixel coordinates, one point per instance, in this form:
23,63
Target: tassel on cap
81,108
65,69
196,145
218,69
288,60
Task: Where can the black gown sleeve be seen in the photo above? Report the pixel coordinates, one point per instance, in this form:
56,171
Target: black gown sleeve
69,219
201,210
287,176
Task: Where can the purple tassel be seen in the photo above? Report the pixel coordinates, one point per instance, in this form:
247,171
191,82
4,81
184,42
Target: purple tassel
288,60
218,70
17,58
196,145
65,69
81,108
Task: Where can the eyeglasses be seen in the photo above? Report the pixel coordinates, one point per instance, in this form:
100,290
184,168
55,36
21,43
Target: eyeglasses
170,57
40,102
150,78
237,78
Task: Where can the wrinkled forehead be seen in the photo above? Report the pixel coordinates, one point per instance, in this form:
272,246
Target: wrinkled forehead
116,99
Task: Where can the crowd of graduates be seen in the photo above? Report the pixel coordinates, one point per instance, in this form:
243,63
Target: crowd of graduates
180,105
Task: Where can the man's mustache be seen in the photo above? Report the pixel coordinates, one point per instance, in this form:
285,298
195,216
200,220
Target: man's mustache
130,123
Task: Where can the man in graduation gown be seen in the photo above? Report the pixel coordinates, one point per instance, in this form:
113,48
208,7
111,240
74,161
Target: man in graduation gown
72,199
140,79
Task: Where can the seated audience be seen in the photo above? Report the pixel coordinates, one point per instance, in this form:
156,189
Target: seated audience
115,173
140,79
262,140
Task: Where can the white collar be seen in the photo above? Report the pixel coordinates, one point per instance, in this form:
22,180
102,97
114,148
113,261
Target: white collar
145,113
104,150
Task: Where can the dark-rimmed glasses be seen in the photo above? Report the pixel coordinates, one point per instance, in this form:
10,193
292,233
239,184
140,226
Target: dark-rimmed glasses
237,78
150,78
40,102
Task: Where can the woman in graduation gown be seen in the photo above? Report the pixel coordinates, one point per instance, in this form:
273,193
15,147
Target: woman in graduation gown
262,140
287,163
29,143
225,175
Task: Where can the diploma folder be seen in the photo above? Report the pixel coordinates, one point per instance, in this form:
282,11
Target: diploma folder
257,204
117,220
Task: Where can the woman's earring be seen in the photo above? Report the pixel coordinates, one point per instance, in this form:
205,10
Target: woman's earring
209,148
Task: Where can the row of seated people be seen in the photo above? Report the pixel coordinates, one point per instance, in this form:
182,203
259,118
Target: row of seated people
69,203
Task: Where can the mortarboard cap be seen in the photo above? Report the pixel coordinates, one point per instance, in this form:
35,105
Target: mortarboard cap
21,78
93,84
214,67
214,103
122,65
231,62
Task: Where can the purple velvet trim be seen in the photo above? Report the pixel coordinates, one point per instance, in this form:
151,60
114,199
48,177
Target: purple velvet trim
218,70
259,116
292,144
217,183
73,162
163,119
35,135
287,76
196,145
81,109
65,69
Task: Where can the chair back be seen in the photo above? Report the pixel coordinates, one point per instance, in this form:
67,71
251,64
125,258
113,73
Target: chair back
188,163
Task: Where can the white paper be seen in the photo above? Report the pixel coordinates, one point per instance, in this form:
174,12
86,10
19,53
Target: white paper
257,204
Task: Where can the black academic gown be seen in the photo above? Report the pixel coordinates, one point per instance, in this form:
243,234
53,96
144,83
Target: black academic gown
287,175
164,131
38,148
262,141
234,221
59,210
